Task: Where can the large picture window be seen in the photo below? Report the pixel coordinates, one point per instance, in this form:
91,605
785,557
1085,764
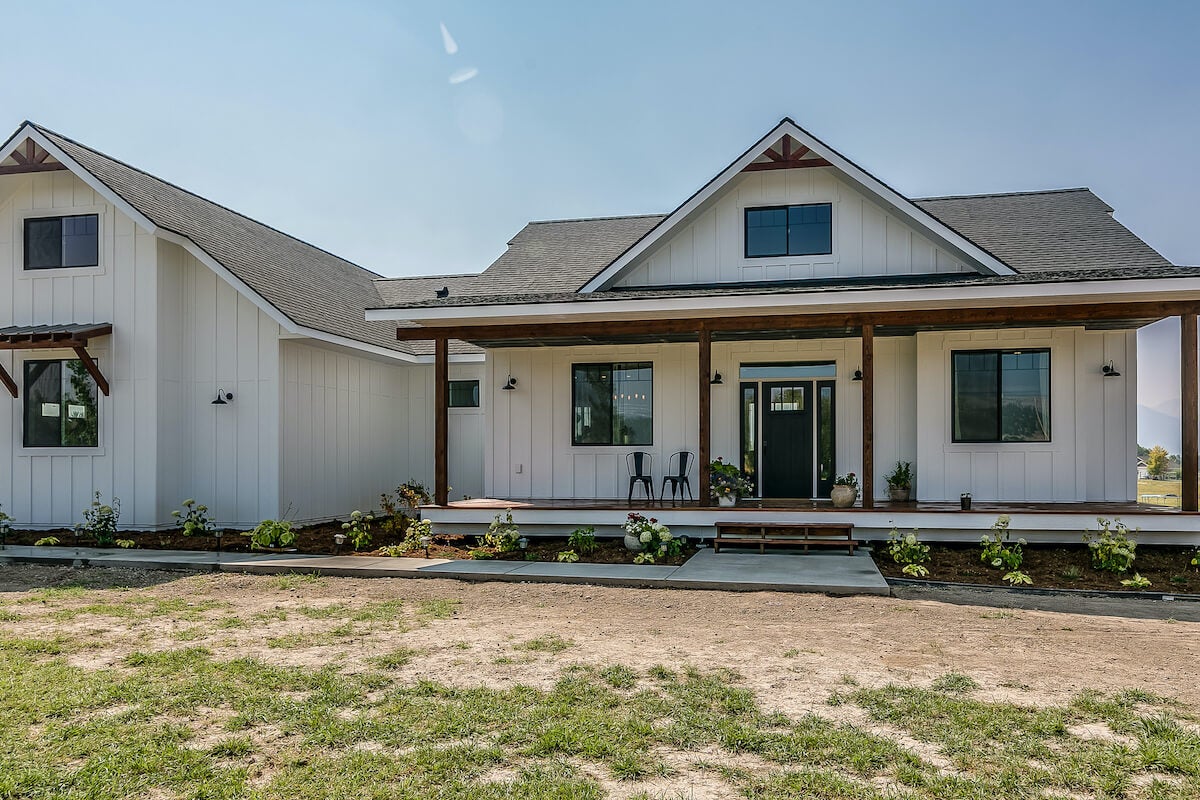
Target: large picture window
54,242
805,230
60,405
1000,395
612,404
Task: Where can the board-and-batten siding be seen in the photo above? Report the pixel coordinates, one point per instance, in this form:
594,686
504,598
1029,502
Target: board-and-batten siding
867,240
530,454
47,487
210,337
356,427
1092,425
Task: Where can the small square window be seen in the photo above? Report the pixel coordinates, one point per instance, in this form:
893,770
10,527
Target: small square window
464,394
56,242
803,230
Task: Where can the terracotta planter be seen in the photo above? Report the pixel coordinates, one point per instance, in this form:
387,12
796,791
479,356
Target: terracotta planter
632,543
900,494
843,496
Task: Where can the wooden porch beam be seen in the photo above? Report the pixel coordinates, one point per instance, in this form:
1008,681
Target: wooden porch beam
8,382
92,368
705,395
1190,411
1065,314
441,422
868,416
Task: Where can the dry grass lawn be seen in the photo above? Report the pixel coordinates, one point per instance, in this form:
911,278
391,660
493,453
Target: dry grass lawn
230,686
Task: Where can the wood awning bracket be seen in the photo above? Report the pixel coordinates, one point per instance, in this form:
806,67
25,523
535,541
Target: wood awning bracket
8,382
43,337
92,368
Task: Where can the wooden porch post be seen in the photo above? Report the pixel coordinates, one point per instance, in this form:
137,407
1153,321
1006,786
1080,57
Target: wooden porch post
868,415
1189,412
705,387
441,423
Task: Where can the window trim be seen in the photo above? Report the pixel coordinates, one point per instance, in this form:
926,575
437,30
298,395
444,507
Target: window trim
25,449
102,242
1001,351
60,218
612,365
785,207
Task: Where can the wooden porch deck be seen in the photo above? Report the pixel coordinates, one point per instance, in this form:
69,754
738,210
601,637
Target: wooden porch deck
991,508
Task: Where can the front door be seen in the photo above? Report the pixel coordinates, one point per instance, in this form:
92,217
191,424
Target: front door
787,439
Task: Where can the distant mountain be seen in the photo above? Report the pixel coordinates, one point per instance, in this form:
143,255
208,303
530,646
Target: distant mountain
1159,427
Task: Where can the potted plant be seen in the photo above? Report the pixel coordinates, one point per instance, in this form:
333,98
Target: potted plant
726,483
845,490
650,539
899,481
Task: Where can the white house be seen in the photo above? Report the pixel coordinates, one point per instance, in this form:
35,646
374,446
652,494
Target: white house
800,318
232,362
796,316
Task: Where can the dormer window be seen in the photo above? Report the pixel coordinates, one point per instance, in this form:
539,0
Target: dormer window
57,242
805,230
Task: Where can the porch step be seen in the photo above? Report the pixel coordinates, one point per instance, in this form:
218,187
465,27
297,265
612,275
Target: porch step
804,535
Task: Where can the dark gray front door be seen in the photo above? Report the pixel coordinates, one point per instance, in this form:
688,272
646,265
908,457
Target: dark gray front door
787,439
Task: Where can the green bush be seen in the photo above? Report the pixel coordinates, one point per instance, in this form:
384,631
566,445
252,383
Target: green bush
100,521
999,550
583,540
503,534
908,551
568,556
1112,546
193,520
1136,582
272,533
358,529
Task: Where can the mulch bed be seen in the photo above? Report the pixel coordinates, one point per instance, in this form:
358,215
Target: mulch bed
1053,566
318,540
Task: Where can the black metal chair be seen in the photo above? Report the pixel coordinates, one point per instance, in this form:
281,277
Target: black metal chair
678,467
641,470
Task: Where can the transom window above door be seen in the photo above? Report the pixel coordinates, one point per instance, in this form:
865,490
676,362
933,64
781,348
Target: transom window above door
804,230
57,242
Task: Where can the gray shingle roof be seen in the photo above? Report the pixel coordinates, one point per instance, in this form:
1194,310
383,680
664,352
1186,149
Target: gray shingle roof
1064,229
308,285
1060,235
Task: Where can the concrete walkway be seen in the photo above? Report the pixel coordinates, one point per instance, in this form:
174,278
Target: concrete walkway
817,572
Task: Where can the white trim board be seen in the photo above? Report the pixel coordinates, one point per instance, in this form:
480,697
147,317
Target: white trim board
976,256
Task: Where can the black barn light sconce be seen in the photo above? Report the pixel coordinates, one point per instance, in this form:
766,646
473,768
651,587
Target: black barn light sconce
1110,371
223,398
510,385
717,380
857,375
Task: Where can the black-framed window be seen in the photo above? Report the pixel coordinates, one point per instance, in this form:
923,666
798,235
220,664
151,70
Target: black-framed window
1000,395
464,394
60,405
55,242
804,230
612,404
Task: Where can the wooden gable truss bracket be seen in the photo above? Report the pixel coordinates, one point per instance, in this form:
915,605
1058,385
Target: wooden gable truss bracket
792,157
30,157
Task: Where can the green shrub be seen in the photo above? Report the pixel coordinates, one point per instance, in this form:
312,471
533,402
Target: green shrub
5,524
46,541
1136,582
126,544
583,540
908,551
358,529
1018,578
193,520
100,521
480,554
999,550
272,533
568,556
503,534
1112,546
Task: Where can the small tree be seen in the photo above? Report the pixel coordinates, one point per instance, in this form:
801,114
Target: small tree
1156,461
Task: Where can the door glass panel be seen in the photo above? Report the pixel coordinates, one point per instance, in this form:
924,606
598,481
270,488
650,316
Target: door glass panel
787,398
749,434
826,465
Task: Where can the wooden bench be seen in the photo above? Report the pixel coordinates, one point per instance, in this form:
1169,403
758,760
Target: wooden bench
793,534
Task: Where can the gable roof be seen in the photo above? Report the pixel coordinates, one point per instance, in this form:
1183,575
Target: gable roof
1061,229
974,255
307,286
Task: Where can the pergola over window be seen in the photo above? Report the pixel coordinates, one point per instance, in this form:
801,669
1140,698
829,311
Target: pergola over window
48,337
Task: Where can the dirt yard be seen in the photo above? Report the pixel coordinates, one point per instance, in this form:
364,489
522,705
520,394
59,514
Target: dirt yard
792,652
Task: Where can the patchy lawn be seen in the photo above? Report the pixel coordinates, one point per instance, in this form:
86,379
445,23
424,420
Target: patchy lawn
231,686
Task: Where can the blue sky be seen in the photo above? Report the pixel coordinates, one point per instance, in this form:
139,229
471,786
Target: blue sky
339,123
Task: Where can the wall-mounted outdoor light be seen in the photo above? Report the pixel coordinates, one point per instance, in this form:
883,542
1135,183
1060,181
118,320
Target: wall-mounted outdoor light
223,398
857,375
510,385
1110,371
717,380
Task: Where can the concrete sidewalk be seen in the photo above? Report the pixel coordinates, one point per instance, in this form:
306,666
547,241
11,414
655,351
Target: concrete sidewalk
816,572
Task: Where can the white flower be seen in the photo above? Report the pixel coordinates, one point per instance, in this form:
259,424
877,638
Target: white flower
645,537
